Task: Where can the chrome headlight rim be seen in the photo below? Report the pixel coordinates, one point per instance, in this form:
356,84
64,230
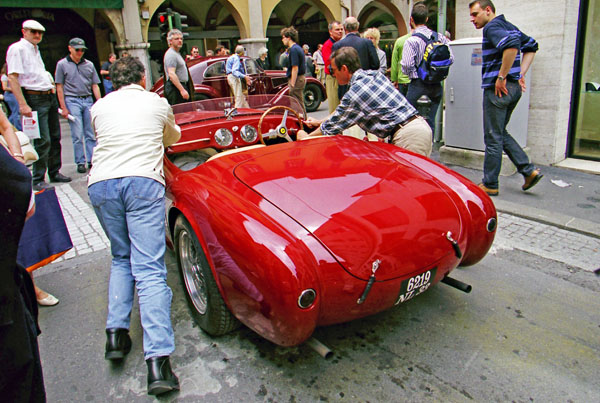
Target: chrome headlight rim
223,137
249,129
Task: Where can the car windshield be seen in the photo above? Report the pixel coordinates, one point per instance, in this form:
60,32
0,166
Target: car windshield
225,105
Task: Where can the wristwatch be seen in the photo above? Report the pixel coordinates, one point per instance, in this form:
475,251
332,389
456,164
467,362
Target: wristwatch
501,78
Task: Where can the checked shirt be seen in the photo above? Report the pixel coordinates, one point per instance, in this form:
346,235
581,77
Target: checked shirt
373,103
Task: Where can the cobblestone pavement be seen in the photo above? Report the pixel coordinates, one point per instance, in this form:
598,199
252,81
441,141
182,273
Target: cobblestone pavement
543,240
547,241
85,229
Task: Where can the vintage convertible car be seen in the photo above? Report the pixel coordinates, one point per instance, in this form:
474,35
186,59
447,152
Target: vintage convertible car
289,236
210,81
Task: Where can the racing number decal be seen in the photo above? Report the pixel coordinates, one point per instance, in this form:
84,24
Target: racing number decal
415,285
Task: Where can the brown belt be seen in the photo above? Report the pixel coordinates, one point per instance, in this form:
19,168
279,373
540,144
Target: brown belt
402,124
33,92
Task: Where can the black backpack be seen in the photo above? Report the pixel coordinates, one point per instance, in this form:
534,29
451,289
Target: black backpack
436,61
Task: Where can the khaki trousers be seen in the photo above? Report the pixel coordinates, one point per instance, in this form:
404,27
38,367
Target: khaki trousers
297,91
331,85
416,136
236,87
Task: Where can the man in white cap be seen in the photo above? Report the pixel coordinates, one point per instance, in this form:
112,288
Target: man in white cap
32,86
76,80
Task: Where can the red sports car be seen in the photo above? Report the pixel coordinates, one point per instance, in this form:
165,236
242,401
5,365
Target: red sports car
210,81
291,235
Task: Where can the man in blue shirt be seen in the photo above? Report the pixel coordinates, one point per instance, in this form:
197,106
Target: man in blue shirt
235,73
373,103
503,71
296,64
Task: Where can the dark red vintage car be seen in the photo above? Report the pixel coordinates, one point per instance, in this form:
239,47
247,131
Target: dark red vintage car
292,235
210,81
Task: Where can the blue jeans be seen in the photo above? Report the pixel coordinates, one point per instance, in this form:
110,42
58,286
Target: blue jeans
131,211
81,130
418,88
108,87
496,115
13,105
48,145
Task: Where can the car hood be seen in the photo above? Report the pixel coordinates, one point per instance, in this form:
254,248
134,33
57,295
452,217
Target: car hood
360,203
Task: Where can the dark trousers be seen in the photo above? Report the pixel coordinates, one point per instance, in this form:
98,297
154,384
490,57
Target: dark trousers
496,115
172,93
417,88
48,145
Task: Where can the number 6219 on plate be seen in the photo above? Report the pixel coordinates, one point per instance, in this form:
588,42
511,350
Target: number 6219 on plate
415,285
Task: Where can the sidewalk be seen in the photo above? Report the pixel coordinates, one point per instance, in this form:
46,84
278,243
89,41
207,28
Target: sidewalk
564,198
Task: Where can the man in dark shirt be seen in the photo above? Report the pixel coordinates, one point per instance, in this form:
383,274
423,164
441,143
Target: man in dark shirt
507,55
296,65
365,48
77,88
105,73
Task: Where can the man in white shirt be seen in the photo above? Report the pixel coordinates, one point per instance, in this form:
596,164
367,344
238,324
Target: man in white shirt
126,186
32,85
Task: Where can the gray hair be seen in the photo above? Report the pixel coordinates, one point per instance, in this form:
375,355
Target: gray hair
263,51
351,24
172,33
127,70
332,23
239,49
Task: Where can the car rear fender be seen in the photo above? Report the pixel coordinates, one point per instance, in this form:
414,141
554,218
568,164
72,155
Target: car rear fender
263,265
479,231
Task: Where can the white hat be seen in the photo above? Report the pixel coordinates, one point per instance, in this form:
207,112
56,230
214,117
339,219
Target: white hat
33,24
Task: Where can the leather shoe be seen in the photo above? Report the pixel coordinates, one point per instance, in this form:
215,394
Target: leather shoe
118,344
40,186
532,179
161,378
490,192
60,178
81,168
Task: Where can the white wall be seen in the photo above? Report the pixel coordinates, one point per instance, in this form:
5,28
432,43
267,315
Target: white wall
553,23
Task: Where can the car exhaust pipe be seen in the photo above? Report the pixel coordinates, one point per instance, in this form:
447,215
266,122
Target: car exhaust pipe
320,348
459,285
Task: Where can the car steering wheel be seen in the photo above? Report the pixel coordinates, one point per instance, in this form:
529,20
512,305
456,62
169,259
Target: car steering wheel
281,129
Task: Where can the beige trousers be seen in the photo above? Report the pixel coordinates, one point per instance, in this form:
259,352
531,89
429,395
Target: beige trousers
416,136
331,85
297,91
236,87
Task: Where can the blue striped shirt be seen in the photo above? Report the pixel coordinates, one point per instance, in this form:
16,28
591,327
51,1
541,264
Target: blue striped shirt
499,35
373,103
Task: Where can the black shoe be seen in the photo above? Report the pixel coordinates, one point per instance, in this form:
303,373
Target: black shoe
40,186
89,166
60,178
81,168
161,378
118,344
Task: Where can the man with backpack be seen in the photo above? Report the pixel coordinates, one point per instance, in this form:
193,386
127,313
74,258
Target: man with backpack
426,60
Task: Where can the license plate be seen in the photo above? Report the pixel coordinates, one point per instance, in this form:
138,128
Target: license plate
415,285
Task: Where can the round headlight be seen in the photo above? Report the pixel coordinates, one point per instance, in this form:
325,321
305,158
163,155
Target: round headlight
492,224
249,134
223,137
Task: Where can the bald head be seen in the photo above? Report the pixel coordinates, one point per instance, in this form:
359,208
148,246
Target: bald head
351,24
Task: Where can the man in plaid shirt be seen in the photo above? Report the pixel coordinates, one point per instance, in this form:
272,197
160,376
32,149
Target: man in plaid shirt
373,103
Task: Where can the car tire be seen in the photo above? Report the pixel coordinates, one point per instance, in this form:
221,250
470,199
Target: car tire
204,299
312,97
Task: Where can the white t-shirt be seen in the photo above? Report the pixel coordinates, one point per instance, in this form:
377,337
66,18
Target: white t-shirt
132,128
24,58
